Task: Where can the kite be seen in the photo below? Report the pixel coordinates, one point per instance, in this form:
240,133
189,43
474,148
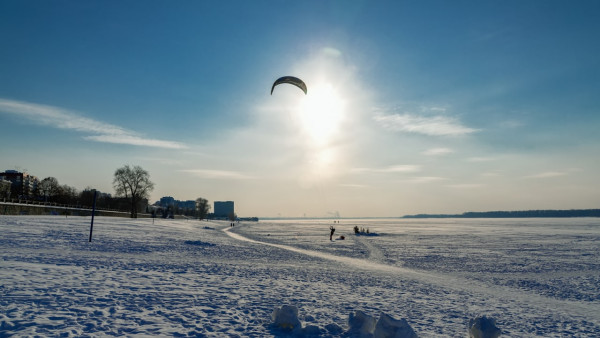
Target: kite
291,80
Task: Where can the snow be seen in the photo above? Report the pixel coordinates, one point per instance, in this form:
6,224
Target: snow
389,327
483,327
533,277
361,324
286,318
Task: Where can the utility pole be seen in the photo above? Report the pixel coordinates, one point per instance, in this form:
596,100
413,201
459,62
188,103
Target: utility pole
93,212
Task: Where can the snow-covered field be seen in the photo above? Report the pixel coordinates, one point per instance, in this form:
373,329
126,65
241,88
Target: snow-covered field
536,277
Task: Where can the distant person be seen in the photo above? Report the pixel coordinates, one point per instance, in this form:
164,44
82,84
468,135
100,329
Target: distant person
331,234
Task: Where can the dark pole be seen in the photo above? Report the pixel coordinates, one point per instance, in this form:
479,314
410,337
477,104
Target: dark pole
93,212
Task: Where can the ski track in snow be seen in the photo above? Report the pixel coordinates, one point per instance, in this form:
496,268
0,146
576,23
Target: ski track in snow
189,278
446,281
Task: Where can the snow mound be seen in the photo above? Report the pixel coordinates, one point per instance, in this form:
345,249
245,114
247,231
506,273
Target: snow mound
199,243
312,331
286,318
334,329
363,325
389,327
360,324
483,327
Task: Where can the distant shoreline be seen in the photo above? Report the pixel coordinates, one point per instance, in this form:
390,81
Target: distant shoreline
516,214
471,214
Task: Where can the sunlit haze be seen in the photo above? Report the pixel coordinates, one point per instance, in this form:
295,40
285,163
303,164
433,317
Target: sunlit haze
411,107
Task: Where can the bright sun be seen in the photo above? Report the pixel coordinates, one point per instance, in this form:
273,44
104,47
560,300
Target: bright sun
320,114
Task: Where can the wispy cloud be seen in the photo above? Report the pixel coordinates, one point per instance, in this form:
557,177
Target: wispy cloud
424,179
427,125
162,160
401,168
438,151
480,159
330,51
60,118
135,141
465,186
547,174
511,124
484,36
218,174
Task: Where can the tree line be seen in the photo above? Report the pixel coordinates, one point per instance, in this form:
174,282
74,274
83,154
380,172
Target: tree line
200,210
132,186
516,214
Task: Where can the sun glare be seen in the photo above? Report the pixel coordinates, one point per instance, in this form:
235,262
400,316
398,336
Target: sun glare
320,115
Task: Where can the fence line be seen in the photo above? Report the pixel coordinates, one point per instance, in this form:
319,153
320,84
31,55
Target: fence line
19,208
20,202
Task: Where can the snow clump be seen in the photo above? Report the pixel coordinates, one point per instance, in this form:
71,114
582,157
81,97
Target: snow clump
363,325
360,324
286,318
483,327
389,327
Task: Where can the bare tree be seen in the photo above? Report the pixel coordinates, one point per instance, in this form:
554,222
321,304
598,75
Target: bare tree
67,195
5,188
133,183
49,188
203,207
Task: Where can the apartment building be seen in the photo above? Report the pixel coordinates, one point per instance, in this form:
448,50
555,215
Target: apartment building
22,184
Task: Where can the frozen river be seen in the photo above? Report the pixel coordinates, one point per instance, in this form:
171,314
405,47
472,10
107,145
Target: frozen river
536,277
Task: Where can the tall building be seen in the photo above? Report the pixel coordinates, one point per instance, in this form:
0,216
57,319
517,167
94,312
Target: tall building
23,184
189,204
223,209
167,201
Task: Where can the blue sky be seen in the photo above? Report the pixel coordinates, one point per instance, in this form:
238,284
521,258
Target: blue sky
412,106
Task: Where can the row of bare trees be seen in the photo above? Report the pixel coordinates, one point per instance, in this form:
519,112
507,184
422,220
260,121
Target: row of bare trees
47,190
132,189
50,191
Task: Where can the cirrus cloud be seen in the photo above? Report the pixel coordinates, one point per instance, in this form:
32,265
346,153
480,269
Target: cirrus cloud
60,118
217,174
547,174
438,151
427,125
400,168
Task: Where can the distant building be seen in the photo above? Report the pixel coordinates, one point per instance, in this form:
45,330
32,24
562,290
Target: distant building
167,201
223,209
5,186
189,204
23,185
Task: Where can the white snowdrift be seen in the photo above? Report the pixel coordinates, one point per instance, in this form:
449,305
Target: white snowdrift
285,318
363,325
189,278
483,327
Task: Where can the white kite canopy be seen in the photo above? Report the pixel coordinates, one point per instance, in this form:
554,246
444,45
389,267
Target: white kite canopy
291,80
